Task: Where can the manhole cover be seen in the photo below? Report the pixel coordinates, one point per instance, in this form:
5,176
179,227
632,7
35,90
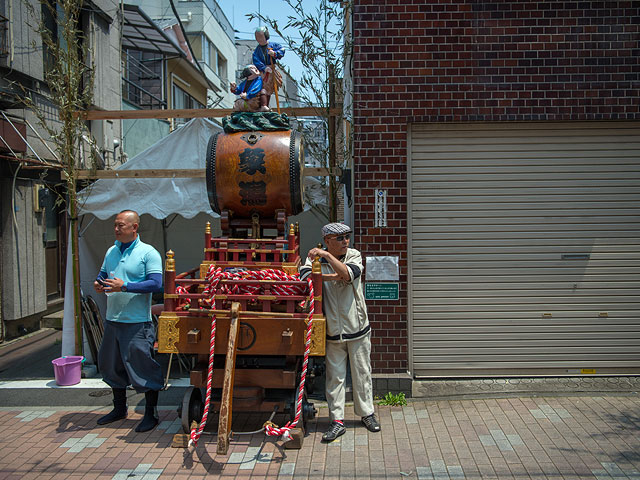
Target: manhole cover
100,393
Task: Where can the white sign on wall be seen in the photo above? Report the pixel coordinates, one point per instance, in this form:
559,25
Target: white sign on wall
382,269
381,208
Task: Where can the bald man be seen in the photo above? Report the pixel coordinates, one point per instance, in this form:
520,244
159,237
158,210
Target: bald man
130,273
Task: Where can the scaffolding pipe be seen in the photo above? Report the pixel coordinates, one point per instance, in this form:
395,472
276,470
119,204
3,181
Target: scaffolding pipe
41,139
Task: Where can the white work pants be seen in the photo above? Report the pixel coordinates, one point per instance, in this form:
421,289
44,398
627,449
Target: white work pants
359,354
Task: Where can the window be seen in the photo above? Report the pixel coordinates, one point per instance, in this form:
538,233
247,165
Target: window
222,67
209,53
206,52
182,100
50,13
142,79
47,200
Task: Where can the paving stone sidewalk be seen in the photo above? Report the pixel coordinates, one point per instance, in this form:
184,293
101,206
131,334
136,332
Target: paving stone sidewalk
527,437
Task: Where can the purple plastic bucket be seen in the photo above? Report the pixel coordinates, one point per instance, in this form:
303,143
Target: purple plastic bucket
67,370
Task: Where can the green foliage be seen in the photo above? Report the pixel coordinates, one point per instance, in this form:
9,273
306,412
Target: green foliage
320,37
317,37
394,400
69,74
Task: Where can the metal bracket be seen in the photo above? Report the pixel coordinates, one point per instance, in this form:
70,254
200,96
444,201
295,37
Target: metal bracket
252,138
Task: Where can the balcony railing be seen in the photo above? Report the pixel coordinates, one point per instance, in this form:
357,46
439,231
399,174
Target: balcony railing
134,93
136,82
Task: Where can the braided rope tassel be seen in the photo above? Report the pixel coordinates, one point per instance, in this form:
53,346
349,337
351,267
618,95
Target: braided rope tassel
195,435
284,431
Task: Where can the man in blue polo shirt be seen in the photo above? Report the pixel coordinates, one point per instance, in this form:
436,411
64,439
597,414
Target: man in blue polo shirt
131,271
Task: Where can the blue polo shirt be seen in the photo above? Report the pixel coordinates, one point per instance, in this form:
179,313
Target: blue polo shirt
133,264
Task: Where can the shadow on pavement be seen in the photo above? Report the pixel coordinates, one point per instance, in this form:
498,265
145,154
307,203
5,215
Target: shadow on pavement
30,358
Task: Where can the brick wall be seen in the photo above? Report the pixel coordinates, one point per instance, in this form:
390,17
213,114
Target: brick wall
467,61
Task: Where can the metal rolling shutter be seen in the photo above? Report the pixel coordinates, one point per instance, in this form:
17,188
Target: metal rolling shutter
524,249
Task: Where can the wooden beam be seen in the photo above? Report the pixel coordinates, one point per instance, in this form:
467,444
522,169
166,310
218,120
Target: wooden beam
226,401
181,173
245,313
150,173
195,113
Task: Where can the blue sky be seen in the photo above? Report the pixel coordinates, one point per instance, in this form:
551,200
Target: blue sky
277,9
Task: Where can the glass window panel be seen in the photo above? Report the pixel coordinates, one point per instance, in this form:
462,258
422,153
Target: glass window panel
47,200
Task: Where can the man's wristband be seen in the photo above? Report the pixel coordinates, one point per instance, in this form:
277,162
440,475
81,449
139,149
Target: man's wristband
123,287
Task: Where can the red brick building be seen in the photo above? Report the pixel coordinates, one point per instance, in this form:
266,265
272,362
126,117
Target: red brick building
506,136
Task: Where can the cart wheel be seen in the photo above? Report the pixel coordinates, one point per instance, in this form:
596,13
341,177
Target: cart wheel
192,408
308,412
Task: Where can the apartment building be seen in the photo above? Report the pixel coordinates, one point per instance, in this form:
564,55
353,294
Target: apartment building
33,222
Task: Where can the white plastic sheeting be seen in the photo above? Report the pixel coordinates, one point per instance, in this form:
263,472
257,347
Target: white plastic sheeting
185,148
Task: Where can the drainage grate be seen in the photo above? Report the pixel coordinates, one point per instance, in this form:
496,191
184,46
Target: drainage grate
100,393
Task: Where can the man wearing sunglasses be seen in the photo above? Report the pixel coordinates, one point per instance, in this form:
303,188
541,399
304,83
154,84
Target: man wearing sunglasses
348,329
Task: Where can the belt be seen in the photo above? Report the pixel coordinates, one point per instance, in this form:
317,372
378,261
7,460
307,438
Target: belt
349,336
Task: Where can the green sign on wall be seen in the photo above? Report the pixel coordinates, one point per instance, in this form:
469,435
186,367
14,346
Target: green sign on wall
381,291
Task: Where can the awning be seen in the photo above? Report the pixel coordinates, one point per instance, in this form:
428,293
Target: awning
141,33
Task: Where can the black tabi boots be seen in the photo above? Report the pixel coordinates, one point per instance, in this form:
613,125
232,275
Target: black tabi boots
119,407
150,419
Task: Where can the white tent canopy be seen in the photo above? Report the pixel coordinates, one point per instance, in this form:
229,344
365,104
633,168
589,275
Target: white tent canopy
185,148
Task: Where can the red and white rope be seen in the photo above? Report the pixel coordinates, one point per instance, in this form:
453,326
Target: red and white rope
213,277
195,434
284,431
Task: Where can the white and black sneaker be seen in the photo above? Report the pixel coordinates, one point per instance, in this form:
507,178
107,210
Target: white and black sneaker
335,430
371,423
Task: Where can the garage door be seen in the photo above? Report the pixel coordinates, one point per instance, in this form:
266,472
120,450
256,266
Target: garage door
524,249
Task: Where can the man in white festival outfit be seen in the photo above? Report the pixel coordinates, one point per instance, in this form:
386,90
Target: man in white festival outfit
348,329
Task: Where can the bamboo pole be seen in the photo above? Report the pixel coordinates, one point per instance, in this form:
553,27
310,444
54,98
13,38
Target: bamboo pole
75,266
333,207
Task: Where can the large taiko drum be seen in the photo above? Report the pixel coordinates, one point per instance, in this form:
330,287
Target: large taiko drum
255,172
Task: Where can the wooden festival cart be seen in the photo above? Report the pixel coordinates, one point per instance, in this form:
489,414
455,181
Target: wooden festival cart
246,291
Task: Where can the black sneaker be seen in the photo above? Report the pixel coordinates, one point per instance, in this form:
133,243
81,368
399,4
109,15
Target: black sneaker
335,430
371,423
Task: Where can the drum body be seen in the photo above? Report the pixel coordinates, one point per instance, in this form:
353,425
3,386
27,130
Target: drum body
255,173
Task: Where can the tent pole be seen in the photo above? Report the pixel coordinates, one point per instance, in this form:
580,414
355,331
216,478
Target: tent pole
164,234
